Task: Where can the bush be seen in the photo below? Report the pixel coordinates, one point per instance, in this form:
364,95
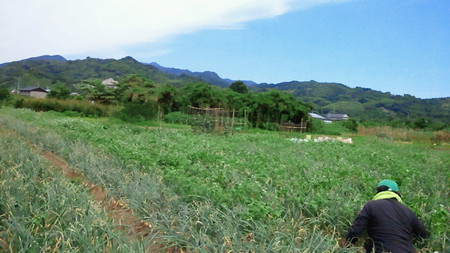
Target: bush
270,126
177,118
320,127
4,93
135,112
19,103
351,125
84,108
442,137
333,128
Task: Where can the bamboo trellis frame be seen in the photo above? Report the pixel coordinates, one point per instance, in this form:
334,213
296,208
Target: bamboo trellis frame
223,120
291,127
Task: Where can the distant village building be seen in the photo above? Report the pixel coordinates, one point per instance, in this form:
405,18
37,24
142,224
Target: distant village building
316,116
337,116
34,91
319,117
110,83
330,117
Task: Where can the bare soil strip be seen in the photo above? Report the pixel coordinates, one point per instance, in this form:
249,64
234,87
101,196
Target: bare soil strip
118,211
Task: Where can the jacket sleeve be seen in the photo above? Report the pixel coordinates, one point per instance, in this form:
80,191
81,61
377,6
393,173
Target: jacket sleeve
359,225
418,229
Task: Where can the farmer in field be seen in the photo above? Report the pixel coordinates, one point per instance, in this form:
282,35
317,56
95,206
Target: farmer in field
391,225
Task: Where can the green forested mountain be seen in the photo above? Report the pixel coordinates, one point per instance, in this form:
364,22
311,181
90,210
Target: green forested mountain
359,103
364,103
51,73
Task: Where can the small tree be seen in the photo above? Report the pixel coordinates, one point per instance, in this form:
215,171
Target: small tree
4,93
351,124
136,89
203,95
60,92
97,92
239,87
168,99
421,123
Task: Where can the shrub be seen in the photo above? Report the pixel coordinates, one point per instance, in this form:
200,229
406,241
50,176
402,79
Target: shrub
84,107
270,126
4,93
135,112
442,137
320,127
351,125
19,103
177,118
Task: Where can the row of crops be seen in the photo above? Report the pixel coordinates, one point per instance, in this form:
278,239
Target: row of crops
246,192
40,211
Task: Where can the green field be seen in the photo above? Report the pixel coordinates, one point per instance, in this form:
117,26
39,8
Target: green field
248,192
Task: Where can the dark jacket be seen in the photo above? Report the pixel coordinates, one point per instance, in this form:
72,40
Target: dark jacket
391,226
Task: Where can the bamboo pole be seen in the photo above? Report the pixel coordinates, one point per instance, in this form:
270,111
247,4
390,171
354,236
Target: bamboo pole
232,122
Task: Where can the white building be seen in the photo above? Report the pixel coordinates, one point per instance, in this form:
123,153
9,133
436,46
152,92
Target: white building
110,83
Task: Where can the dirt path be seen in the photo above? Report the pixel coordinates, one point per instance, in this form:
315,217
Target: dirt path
121,214
119,211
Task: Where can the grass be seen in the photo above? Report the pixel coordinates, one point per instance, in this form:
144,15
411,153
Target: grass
407,135
255,191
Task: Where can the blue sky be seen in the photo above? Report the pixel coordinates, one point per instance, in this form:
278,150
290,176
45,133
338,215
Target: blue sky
397,46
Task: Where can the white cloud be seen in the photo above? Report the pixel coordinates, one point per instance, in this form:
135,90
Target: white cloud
30,28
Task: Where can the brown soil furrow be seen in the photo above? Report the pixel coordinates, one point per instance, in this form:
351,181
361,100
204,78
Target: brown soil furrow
118,210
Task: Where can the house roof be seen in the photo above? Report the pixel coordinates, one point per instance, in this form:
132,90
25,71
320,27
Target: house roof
33,88
109,81
337,116
316,116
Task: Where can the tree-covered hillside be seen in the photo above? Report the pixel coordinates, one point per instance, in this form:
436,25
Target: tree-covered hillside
51,73
364,103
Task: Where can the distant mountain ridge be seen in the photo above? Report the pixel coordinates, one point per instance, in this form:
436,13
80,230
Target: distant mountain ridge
42,57
47,58
360,103
206,76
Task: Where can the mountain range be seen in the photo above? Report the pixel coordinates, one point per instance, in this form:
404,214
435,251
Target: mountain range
206,76
361,103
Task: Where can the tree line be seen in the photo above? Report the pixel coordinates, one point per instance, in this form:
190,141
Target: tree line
141,98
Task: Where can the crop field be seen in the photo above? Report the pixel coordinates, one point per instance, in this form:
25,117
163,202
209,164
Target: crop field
247,192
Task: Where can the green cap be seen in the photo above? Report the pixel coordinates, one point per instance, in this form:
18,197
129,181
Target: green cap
389,183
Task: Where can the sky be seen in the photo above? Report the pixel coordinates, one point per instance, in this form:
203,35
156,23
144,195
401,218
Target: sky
397,46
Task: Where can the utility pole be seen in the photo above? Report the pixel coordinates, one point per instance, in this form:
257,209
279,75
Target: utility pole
18,85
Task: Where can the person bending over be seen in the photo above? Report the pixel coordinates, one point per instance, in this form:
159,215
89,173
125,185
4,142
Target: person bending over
391,226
